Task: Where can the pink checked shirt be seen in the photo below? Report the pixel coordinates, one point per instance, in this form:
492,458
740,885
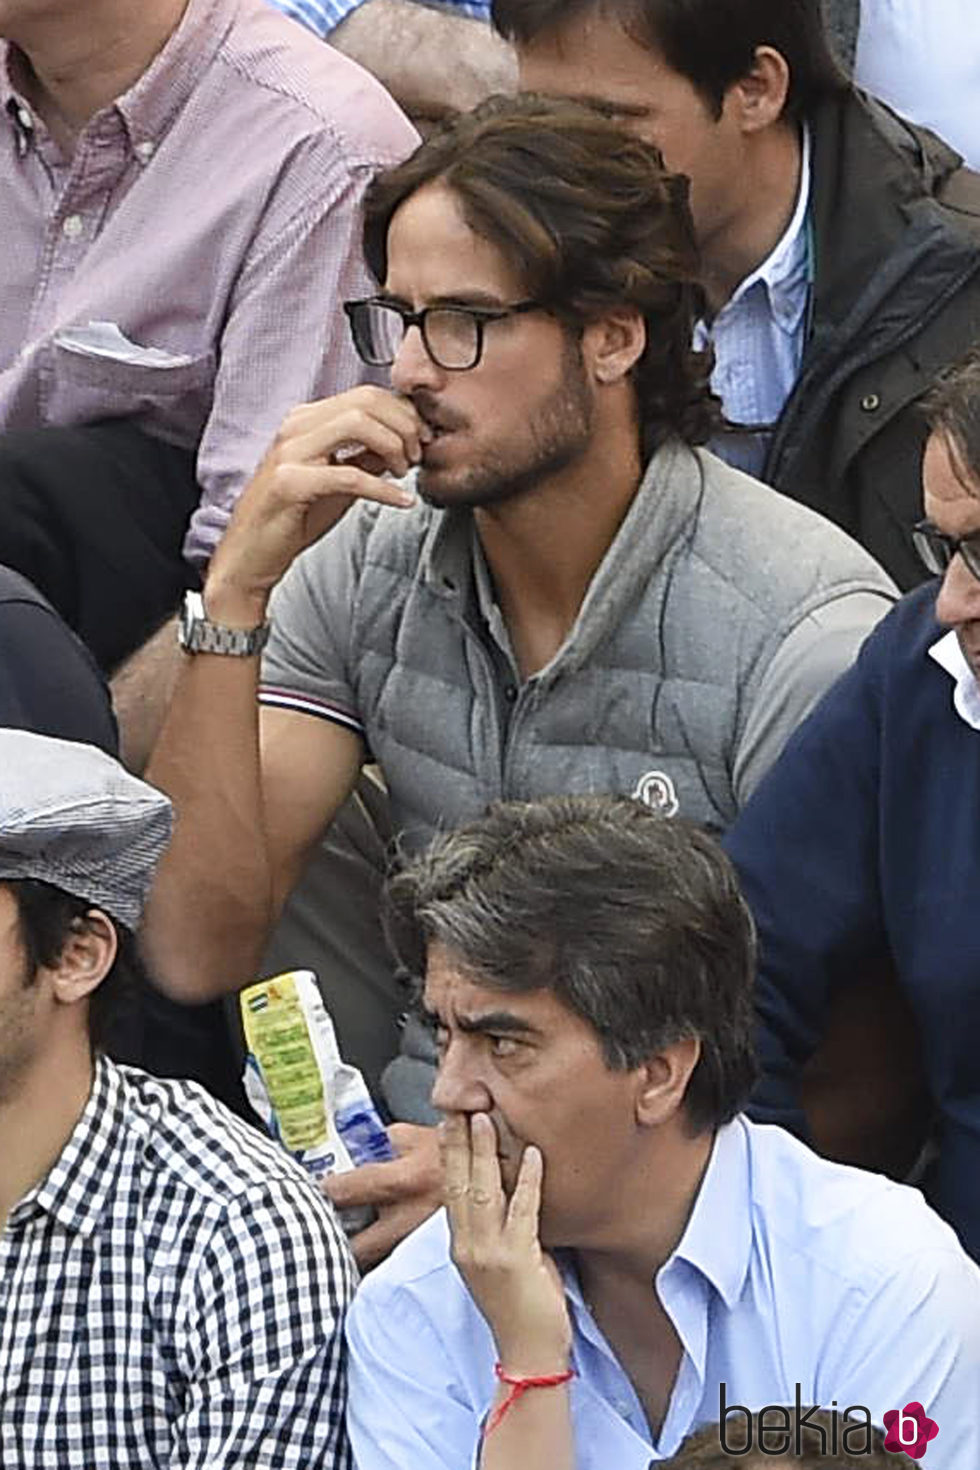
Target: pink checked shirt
185,268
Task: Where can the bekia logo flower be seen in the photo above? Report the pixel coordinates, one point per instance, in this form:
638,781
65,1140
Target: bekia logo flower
909,1430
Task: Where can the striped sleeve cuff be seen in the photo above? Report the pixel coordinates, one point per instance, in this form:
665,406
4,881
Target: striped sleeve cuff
273,696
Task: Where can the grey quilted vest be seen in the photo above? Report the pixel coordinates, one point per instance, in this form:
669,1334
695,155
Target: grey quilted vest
656,690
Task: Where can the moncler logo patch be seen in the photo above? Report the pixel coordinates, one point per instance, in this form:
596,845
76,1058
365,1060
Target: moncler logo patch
657,790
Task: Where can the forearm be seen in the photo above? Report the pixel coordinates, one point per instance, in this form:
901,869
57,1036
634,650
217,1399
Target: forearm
247,815
211,906
141,692
535,1431
431,61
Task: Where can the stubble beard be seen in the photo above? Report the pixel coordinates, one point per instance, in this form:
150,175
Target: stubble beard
18,1049
558,435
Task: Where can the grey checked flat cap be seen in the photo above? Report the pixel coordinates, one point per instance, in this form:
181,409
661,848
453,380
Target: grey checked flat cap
73,817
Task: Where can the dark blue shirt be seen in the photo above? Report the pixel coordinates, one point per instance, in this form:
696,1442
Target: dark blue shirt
861,849
49,682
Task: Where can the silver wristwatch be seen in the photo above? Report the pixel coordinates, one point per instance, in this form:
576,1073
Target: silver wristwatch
197,634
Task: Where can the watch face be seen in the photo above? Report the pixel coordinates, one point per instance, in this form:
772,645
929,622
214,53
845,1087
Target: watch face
190,613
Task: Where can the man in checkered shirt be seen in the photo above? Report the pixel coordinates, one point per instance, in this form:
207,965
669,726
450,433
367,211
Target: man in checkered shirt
172,1288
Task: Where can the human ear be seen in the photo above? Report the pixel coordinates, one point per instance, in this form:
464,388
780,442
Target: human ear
757,100
86,958
663,1080
613,344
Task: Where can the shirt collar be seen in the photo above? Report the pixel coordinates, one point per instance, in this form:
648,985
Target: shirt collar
151,104
667,497
8,93
966,695
785,273
154,100
717,1242
76,1189
12,101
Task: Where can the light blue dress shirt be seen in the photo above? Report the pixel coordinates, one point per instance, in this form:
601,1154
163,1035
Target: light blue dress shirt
323,16
792,1270
759,336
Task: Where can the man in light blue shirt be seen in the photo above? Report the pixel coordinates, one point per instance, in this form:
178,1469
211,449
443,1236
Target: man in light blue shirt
624,1257
759,335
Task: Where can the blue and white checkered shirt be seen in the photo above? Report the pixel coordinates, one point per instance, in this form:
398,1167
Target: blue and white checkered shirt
171,1294
323,16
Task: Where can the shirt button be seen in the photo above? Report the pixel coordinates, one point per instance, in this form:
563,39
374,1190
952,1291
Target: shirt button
870,403
25,119
510,693
145,151
72,226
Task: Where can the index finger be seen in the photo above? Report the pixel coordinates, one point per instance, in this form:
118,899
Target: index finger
368,397
376,423
456,1165
486,1189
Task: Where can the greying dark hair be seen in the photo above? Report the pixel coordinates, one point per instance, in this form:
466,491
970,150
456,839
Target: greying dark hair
591,220
710,42
46,919
632,920
952,408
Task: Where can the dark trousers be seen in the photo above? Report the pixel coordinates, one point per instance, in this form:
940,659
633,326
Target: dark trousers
95,517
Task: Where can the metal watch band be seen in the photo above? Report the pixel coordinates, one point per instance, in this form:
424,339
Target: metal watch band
197,634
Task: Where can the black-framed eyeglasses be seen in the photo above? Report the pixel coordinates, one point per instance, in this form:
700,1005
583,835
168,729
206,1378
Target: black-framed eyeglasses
452,335
936,550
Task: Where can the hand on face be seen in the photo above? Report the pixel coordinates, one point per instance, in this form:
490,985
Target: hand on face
326,456
495,1247
405,1192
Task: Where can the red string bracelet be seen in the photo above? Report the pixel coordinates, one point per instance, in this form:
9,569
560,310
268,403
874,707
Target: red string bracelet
518,1387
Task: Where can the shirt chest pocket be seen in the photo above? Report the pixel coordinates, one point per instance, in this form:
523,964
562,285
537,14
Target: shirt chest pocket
170,394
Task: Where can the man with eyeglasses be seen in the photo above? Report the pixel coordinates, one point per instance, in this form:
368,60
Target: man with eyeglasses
860,852
569,595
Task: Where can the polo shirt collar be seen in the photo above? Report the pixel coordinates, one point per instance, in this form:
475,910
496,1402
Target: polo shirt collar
447,558
666,499
966,694
77,1188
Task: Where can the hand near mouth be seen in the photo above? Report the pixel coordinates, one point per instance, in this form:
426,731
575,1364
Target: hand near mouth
496,1248
326,456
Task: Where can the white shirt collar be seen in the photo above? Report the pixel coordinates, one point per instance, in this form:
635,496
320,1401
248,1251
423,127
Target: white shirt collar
966,695
785,271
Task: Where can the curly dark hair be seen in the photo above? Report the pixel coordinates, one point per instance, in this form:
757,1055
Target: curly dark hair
591,219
